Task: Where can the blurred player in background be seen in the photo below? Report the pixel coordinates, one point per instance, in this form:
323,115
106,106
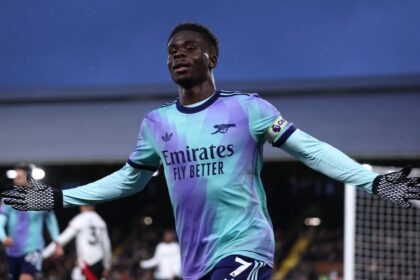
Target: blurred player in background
167,258
24,236
93,246
210,143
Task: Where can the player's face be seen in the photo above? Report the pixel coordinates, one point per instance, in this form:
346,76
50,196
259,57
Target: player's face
189,59
168,236
20,179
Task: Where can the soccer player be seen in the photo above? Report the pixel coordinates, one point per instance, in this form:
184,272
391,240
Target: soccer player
24,238
167,258
210,144
92,244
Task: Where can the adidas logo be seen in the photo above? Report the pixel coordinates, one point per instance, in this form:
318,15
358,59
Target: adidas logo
167,137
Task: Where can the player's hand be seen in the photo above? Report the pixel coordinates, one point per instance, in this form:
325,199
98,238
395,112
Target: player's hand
397,187
58,252
8,241
38,197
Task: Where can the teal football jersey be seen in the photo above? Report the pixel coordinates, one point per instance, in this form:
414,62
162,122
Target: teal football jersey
212,155
26,228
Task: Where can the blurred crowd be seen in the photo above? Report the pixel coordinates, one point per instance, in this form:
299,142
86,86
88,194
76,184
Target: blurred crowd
318,262
321,260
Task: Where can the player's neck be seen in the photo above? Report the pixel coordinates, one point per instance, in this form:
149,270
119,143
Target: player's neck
197,93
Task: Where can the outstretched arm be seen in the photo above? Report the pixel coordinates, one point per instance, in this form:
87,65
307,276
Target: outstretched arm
328,160
395,187
154,261
124,182
266,121
68,234
130,179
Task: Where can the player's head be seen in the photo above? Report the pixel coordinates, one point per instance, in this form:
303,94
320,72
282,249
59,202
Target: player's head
192,54
23,172
169,236
87,208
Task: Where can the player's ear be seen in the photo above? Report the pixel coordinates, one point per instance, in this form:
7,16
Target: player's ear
212,61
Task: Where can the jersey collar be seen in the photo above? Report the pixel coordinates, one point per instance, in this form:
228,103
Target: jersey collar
195,109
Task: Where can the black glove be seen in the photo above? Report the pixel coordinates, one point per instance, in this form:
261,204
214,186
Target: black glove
397,188
39,197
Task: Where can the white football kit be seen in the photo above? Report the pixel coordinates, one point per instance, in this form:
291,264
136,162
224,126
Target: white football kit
92,240
167,260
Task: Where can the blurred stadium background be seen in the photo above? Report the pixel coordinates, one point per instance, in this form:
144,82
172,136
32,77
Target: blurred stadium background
76,78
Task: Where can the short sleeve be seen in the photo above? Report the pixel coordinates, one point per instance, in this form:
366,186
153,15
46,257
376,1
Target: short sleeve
144,155
267,123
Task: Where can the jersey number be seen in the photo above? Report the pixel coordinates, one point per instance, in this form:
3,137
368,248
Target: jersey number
94,236
242,268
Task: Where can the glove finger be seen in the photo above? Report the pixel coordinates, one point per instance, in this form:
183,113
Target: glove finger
412,181
13,201
397,176
413,189
13,194
405,171
17,189
36,184
415,195
404,204
20,189
20,207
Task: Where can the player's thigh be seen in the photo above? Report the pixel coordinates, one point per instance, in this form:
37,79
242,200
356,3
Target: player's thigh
26,276
240,268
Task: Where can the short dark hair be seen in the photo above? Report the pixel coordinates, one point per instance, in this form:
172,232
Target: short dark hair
196,27
26,167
